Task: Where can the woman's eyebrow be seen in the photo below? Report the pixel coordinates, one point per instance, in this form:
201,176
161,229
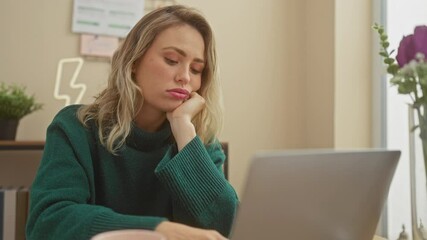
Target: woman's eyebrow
182,52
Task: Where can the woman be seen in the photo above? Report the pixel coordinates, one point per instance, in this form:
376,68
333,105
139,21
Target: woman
144,155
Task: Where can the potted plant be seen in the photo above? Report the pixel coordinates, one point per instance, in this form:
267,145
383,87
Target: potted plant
14,105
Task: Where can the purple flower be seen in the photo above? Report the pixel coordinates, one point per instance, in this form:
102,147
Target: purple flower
411,45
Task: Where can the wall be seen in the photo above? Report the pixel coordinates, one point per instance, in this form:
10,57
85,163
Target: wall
319,73
338,74
278,62
353,83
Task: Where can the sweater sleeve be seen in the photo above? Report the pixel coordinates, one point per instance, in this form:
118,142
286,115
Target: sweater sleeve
202,197
62,205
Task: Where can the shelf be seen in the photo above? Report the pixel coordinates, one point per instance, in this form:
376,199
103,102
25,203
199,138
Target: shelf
19,161
21,145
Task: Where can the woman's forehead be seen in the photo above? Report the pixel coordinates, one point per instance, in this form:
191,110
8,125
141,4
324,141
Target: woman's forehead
183,37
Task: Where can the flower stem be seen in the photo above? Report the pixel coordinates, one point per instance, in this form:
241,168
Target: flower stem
423,133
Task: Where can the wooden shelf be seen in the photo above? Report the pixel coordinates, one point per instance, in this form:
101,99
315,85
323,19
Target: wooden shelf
22,145
19,161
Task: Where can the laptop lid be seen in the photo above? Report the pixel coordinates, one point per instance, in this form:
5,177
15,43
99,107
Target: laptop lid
322,195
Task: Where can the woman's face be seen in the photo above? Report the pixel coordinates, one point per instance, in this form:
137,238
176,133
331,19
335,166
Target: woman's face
170,69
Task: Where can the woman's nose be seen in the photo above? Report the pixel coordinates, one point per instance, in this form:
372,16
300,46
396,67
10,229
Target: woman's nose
183,75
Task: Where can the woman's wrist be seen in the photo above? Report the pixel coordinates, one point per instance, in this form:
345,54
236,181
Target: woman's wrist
183,130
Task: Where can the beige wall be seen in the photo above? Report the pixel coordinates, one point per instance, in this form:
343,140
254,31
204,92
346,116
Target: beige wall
353,84
319,73
338,76
279,71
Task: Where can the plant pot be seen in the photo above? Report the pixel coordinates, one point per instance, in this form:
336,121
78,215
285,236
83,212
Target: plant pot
8,129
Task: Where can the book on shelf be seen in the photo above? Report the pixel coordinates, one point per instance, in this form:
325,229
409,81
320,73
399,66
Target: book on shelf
22,209
1,211
9,213
13,212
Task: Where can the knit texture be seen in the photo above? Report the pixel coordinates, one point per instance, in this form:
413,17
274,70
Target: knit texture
81,189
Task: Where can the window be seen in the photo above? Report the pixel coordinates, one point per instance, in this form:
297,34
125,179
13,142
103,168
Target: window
400,18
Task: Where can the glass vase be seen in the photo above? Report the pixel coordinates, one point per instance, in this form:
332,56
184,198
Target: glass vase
418,171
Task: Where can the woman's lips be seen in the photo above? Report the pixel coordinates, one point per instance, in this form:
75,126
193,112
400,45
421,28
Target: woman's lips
179,93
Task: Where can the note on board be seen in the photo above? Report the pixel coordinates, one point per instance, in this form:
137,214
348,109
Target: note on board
112,17
98,46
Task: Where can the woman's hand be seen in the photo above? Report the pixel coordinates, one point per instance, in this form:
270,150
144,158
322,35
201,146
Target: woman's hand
188,109
177,231
180,119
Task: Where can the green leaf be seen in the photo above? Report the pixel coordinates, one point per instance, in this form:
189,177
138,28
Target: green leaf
376,26
383,54
396,80
407,87
392,69
388,61
421,70
383,37
385,44
15,103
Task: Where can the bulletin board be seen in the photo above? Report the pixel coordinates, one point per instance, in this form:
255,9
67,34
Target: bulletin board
101,26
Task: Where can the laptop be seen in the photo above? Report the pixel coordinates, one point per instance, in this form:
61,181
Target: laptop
314,194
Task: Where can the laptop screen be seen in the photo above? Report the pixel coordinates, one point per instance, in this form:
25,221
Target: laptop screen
315,194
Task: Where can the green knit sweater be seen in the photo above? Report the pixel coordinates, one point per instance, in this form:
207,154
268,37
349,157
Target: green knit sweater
81,189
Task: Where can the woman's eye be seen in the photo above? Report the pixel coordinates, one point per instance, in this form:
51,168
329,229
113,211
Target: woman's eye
170,61
196,71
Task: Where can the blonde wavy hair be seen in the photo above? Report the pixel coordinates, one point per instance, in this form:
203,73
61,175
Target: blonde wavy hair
115,107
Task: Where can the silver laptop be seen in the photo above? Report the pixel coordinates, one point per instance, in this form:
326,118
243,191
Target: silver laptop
322,195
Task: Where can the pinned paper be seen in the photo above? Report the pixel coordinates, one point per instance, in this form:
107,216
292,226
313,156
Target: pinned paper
98,46
112,17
